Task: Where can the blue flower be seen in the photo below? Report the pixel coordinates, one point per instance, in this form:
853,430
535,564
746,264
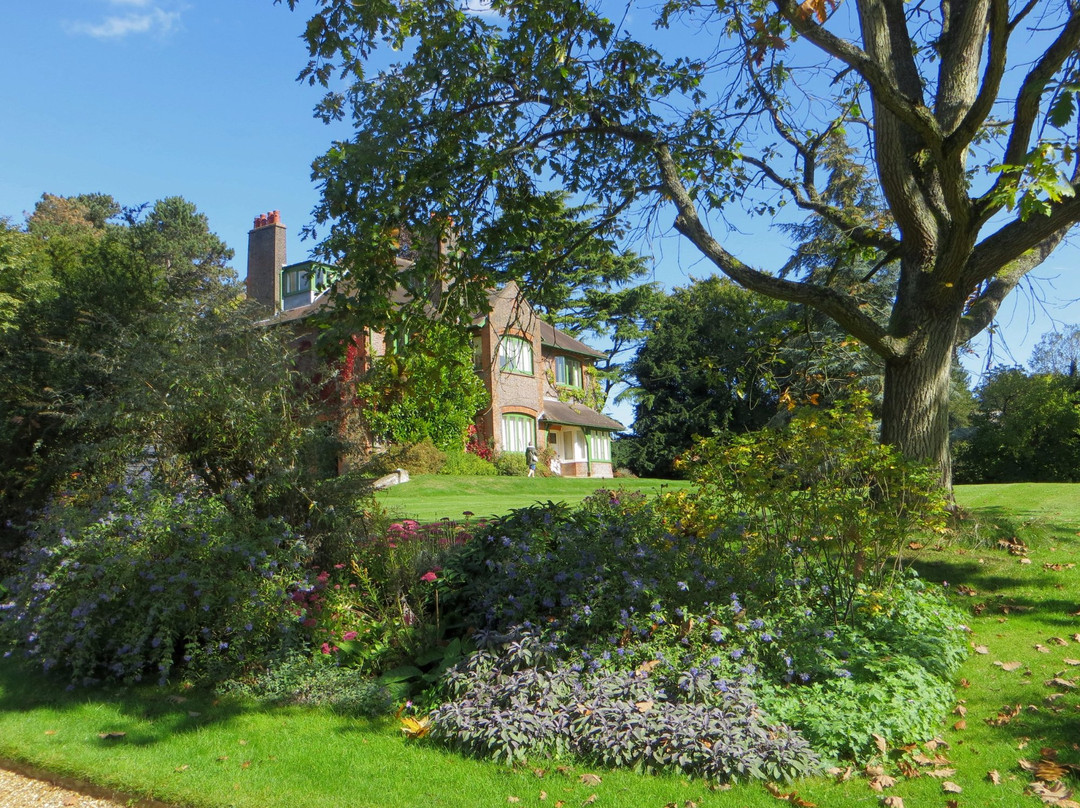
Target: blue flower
682,585
717,635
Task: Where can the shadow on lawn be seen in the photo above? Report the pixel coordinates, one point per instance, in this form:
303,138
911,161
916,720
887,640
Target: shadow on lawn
139,715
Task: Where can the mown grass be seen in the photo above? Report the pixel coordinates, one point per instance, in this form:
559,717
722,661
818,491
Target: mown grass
429,497
193,749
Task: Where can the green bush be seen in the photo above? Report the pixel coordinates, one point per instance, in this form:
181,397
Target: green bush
466,464
306,680
416,458
611,588
511,464
148,581
819,500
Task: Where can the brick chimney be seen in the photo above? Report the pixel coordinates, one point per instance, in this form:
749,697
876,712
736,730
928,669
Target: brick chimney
266,257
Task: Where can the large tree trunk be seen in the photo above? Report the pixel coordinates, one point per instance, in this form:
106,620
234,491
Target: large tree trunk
915,411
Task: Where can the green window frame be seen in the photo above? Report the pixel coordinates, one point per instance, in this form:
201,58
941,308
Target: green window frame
518,431
568,372
515,355
295,281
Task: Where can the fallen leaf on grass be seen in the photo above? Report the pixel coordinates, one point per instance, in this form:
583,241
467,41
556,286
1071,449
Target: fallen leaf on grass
1004,716
892,801
512,798
949,787
881,782
841,775
111,736
1057,567
1025,560
960,710
589,800
1057,681
791,796
50,732
183,768
1058,641
1042,649
880,742
1009,666
1071,661
981,649
543,796
591,779
1049,771
1051,795
908,770
942,773
994,777
959,725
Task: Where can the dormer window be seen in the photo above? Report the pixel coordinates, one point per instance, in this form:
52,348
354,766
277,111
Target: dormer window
515,355
568,372
295,281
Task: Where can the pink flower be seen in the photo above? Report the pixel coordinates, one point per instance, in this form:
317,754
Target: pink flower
327,648
429,576
349,635
309,622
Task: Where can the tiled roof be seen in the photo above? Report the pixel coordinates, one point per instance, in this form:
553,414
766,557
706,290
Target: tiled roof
559,412
552,337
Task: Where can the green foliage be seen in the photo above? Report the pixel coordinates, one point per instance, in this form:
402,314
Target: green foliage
423,457
1026,429
610,588
511,464
467,464
424,388
819,499
300,679
706,365
147,581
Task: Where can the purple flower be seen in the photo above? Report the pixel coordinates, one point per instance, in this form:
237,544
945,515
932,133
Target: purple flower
682,585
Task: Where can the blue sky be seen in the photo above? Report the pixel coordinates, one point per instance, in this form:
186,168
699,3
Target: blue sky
144,99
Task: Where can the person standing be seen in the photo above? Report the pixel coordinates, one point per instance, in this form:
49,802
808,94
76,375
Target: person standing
530,459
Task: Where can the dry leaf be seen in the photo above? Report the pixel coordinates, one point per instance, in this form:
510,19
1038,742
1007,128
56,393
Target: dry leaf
1071,661
1058,641
964,589
908,770
1049,771
1004,716
952,804
1042,649
791,797
959,710
111,736
965,683
591,779
892,801
644,706
50,732
949,787
1057,681
880,742
415,727
543,796
246,764
959,725
874,771
882,781
1052,795
841,775
183,768
512,798
942,773
1009,666
589,800
981,649
994,777
1025,560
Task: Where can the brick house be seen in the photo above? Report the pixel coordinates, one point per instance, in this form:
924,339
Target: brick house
538,377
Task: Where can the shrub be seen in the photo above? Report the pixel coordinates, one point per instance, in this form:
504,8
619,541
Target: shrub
467,464
819,500
146,581
513,699
416,458
304,680
614,592
511,464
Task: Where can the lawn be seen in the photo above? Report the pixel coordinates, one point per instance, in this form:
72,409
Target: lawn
429,497
1018,700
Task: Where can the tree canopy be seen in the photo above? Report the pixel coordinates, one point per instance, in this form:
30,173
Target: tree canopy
670,115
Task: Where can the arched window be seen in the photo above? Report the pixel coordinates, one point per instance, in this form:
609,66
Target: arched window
515,355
